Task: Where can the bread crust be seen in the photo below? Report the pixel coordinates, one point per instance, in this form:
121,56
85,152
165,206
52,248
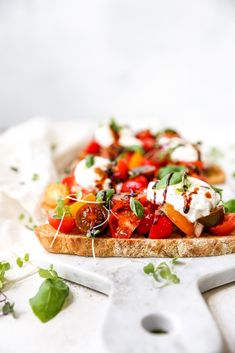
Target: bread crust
105,246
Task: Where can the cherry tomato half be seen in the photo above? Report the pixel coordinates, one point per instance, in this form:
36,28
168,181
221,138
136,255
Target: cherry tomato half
145,222
147,139
69,181
67,225
225,228
90,216
135,184
121,169
162,227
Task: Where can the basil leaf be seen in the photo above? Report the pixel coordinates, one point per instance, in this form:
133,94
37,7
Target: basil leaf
175,179
149,268
50,298
170,169
136,207
114,125
105,196
229,206
135,148
90,160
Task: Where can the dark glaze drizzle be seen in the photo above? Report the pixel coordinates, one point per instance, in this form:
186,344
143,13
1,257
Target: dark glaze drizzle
188,199
166,188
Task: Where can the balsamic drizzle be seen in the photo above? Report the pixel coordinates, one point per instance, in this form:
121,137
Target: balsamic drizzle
166,188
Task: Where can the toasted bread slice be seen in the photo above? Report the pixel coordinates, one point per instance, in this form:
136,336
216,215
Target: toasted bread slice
214,175
105,246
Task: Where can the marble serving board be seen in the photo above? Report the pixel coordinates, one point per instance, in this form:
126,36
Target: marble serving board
138,306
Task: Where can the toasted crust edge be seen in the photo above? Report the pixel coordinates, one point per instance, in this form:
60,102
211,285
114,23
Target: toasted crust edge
214,175
135,247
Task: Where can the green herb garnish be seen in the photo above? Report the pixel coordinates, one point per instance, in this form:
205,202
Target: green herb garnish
104,196
50,298
90,160
114,125
136,207
15,169
53,147
92,233
176,178
20,261
4,267
163,273
170,168
61,210
35,177
21,217
8,308
229,206
135,148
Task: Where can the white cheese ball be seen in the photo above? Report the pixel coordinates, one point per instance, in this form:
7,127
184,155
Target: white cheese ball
104,136
202,202
127,138
86,177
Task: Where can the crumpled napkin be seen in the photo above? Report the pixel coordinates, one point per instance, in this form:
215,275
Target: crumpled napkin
33,154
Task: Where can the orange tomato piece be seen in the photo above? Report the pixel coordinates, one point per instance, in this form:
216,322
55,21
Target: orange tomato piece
54,192
76,205
136,160
178,219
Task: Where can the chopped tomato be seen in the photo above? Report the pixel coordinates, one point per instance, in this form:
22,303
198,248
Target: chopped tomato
123,223
90,216
178,219
93,147
67,225
162,226
121,169
69,181
145,222
136,160
135,184
225,228
54,192
147,139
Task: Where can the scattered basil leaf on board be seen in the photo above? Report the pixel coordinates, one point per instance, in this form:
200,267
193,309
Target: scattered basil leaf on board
170,169
229,206
50,298
90,160
175,178
136,207
8,308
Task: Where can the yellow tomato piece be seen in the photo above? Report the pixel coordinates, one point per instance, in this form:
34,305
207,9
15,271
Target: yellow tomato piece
54,192
136,160
76,205
178,219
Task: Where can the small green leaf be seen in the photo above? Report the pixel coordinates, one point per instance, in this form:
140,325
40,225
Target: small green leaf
170,168
14,169
149,268
176,178
26,257
114,125
104,196
90,160
19,262
50,298
61,209
51,273
135,148
8,308
35,177
21,217
229,206
174,278
136,207
218,190
175,261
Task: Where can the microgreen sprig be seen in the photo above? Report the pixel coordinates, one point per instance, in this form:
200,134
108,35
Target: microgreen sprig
61,209
163,273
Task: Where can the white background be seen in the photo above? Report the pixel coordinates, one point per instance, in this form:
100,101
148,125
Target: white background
167,60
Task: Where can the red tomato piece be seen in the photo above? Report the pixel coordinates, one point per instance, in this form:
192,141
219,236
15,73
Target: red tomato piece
123,223
147,139
145,222
162,227
67,225
69,181
90,216
93,147
122,169
135,184
225,228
